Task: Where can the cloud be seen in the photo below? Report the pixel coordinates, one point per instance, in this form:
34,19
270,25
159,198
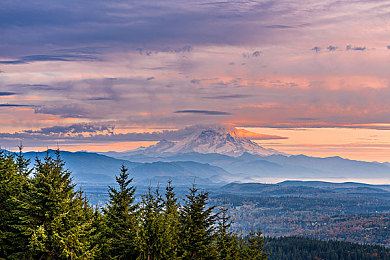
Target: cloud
203,112
303,118
100,98
248,55
64,57
73,129
355,48
195,81
388,47
35,87
279,26
103,133
5,93
14,105
256,53
149,26
95,27
331,48
316,49
228,96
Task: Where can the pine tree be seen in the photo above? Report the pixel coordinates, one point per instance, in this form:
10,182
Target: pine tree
54,216
197,227
121,219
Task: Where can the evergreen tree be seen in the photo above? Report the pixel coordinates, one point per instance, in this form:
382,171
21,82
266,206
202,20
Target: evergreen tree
171,223
253,247
12,184
151,234
197,227
227,241
23,163
54,216
121,219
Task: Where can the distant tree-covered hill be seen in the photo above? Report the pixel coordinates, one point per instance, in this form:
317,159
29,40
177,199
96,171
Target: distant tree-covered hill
300,248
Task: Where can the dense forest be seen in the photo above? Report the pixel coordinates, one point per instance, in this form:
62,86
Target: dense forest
300,248
44,216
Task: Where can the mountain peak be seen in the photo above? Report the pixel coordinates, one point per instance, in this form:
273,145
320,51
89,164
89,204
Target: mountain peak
210,139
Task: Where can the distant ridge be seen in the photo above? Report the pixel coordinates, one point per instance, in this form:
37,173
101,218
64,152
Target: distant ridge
309,189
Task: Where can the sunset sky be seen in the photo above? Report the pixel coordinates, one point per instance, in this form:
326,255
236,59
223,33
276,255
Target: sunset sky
96,75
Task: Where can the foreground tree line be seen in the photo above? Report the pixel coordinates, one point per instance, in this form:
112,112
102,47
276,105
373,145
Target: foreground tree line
44,216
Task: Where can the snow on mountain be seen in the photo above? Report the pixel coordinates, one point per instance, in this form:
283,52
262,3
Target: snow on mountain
217,139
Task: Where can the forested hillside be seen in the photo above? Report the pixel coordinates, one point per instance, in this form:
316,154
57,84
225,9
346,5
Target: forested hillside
300,248
44,216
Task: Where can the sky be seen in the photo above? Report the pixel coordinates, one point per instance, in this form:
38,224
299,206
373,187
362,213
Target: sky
115,75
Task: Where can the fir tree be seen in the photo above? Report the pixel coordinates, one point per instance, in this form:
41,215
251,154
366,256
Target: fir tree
253,247
22,163
227,241
170,223
197,227
121,219
12,184
54,216
151,235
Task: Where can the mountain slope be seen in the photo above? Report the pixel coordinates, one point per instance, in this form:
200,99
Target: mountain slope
249,166
214,140
87,167
180,172
96,168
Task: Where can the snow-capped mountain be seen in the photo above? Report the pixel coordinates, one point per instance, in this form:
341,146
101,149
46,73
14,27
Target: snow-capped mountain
216,139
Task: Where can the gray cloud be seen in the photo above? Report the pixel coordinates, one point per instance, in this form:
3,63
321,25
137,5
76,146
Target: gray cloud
228,96
14,105
64,57
88,28
195,81
203,112
331,48
81,27
355,48
4,93
72,129
279,26
388,47
100,98
63,109
35,87
253,54
316,49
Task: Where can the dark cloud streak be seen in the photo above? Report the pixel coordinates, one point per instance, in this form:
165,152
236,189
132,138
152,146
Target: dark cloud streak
203,112
64,57
14,105
227,96
7,93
